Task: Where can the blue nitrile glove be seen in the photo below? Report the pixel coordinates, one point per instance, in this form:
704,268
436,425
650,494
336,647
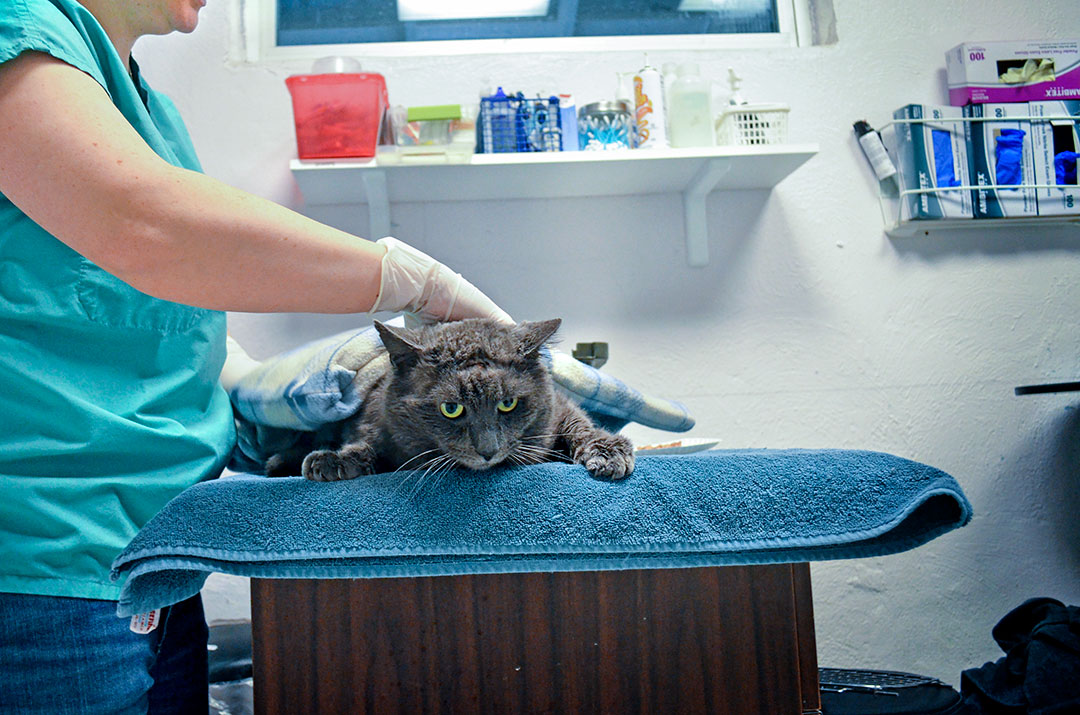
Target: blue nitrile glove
1009,154
1065,167
943,158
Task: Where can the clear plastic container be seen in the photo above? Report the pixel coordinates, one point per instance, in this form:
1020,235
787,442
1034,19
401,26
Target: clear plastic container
337,115
690,117
431,135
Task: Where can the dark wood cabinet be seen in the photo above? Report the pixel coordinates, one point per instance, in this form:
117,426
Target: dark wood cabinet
736,639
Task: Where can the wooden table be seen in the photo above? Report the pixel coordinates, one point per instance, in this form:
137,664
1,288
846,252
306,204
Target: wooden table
735,639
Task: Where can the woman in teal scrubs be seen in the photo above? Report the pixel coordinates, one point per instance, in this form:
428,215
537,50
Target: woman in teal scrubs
117,260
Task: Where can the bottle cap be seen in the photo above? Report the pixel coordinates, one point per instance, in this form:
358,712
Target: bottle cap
620,106
335,65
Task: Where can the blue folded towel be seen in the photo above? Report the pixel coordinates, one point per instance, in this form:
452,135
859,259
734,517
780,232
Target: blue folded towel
710,509
327,380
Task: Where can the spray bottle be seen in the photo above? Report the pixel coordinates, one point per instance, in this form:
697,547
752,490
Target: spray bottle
649,109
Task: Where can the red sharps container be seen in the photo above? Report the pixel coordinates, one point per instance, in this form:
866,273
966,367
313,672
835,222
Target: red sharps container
337,115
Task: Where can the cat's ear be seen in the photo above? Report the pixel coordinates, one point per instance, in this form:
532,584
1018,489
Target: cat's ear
400,344
533,335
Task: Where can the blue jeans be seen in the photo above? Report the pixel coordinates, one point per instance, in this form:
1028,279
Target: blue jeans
73,655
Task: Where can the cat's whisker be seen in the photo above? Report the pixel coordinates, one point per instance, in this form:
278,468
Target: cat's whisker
548,438
439,464
438,477
417,479
541,458
430,466
405,464
518,459
524,460
540,451
536,455
420,471
436,462
401,485
546,435
526,445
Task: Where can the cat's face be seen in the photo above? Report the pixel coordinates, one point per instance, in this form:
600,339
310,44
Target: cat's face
474,391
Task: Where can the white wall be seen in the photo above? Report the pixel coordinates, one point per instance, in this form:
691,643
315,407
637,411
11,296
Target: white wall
809,328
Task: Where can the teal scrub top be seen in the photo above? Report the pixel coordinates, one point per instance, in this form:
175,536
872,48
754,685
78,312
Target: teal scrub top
110,402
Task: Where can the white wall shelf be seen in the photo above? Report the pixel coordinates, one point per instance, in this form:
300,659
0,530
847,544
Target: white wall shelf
694,173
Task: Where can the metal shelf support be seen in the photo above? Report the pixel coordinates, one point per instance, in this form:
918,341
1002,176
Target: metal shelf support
694,196
378,201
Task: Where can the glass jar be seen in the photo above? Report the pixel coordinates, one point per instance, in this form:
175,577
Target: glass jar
606,125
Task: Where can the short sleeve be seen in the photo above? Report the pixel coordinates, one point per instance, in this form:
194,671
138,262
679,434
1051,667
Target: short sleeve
64,30
67,31
167,118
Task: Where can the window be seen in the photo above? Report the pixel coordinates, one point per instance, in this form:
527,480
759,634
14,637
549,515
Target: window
314,28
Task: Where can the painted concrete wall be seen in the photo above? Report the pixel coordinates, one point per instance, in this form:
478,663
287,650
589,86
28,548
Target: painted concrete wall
809,328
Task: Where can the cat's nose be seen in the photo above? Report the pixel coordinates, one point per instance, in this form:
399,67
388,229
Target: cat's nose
485,442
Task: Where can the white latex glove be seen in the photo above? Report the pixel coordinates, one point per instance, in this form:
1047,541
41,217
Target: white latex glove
414,282
237,364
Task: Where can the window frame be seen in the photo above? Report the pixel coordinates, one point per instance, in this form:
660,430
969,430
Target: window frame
254,40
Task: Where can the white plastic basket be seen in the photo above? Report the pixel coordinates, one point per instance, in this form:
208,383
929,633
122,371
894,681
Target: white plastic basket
752,125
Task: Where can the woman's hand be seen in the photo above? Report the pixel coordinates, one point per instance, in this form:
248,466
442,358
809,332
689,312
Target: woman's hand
414,282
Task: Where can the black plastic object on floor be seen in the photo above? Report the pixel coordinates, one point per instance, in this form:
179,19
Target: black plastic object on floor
884,692
230,651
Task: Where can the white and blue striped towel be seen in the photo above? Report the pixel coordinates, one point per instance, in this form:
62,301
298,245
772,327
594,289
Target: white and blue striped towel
326,380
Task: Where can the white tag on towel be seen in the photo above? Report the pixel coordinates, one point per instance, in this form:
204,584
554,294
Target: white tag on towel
145,622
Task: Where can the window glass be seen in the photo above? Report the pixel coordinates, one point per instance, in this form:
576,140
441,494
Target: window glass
318,22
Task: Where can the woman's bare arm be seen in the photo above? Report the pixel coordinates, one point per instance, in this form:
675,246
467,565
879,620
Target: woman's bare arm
72,163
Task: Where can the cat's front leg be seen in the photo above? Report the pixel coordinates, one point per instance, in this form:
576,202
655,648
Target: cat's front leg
349,462
605,455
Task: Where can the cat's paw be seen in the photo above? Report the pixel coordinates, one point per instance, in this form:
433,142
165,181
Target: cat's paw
327,466
277,466
608,456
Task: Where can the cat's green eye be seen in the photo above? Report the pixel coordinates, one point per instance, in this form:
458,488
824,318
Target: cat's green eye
452,410
506,405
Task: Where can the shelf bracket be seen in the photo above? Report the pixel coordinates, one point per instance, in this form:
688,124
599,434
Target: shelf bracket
694,195
378,201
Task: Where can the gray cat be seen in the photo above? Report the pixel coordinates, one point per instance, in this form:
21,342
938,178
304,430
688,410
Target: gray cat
472,394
